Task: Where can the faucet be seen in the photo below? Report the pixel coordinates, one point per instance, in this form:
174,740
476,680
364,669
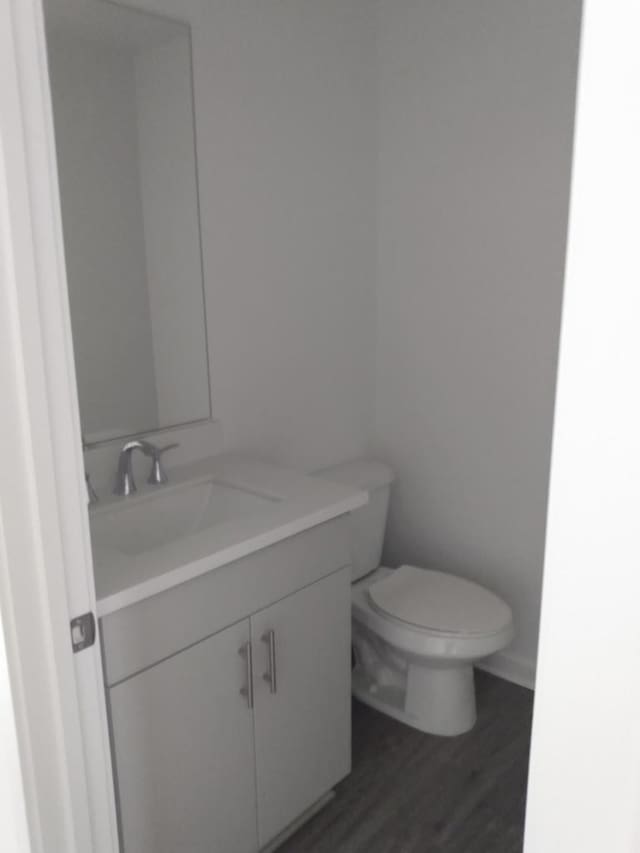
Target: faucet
125,483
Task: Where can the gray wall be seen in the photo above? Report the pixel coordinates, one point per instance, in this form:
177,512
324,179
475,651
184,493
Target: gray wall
285,98
475,124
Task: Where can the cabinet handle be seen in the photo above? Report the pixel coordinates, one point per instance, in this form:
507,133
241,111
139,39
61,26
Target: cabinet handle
246,652
270,675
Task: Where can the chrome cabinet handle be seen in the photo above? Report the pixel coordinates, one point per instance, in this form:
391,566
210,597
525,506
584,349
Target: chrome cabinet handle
270,675
246,652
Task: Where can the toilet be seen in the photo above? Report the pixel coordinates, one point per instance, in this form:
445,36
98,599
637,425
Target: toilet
416,632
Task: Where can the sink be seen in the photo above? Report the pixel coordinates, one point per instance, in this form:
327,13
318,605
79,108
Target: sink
143,523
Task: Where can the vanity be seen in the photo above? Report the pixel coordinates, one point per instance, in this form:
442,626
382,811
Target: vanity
224,611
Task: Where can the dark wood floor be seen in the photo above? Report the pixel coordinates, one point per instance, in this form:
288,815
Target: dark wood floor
415,793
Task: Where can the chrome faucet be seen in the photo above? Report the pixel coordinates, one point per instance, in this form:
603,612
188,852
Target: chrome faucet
125,483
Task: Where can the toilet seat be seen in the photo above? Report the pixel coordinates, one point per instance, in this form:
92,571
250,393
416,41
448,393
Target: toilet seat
439,603
419,641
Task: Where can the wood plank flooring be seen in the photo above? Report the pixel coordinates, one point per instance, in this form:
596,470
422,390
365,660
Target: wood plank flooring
415,793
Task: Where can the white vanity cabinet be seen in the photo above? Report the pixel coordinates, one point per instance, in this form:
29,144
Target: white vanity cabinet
303,727
225,740
184,751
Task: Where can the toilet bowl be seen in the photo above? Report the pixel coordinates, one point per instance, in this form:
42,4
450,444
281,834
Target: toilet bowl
416,632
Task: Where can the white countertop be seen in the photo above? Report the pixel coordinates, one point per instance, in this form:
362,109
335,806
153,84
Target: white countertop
302,501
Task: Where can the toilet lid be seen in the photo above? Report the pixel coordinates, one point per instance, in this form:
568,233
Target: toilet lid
438,602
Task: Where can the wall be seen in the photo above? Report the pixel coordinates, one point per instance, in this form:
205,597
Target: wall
95,122
475,123
285,95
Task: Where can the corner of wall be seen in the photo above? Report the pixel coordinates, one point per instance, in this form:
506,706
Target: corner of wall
514,668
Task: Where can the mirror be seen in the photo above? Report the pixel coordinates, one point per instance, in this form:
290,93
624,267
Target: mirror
122,95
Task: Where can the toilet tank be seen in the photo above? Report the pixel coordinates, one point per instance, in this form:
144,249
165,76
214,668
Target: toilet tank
368,522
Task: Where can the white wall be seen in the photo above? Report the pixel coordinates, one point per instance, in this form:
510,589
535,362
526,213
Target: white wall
475,121
169,191
285,100
95,122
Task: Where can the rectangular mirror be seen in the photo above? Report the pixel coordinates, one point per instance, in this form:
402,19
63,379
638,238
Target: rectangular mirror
123,106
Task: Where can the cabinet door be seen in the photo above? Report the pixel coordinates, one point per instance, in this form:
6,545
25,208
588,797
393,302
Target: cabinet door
184,752
303,728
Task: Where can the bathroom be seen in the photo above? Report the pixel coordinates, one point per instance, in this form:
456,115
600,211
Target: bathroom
360,219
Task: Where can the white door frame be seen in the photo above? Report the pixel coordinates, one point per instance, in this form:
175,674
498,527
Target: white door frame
13,807
46,575
584,774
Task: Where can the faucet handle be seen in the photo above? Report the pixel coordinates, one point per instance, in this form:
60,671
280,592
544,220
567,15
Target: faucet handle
158,475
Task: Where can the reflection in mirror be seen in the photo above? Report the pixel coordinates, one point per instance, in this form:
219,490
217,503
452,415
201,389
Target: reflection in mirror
122,95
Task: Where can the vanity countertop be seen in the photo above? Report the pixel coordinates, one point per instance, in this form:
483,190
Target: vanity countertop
294,503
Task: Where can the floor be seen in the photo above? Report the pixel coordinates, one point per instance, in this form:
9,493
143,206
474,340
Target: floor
414,793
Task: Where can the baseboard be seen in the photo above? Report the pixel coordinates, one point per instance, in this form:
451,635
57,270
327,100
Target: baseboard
512,668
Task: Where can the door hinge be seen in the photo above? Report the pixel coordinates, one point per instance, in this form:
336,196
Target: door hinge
83,631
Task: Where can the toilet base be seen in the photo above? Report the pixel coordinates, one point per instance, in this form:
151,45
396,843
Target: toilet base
435,699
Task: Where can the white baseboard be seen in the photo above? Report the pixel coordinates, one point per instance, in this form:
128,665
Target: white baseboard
512,668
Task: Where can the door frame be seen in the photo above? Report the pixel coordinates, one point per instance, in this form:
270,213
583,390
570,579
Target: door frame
46,576
584,772
13,807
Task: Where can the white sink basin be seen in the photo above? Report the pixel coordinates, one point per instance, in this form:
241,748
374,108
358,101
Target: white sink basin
143,523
